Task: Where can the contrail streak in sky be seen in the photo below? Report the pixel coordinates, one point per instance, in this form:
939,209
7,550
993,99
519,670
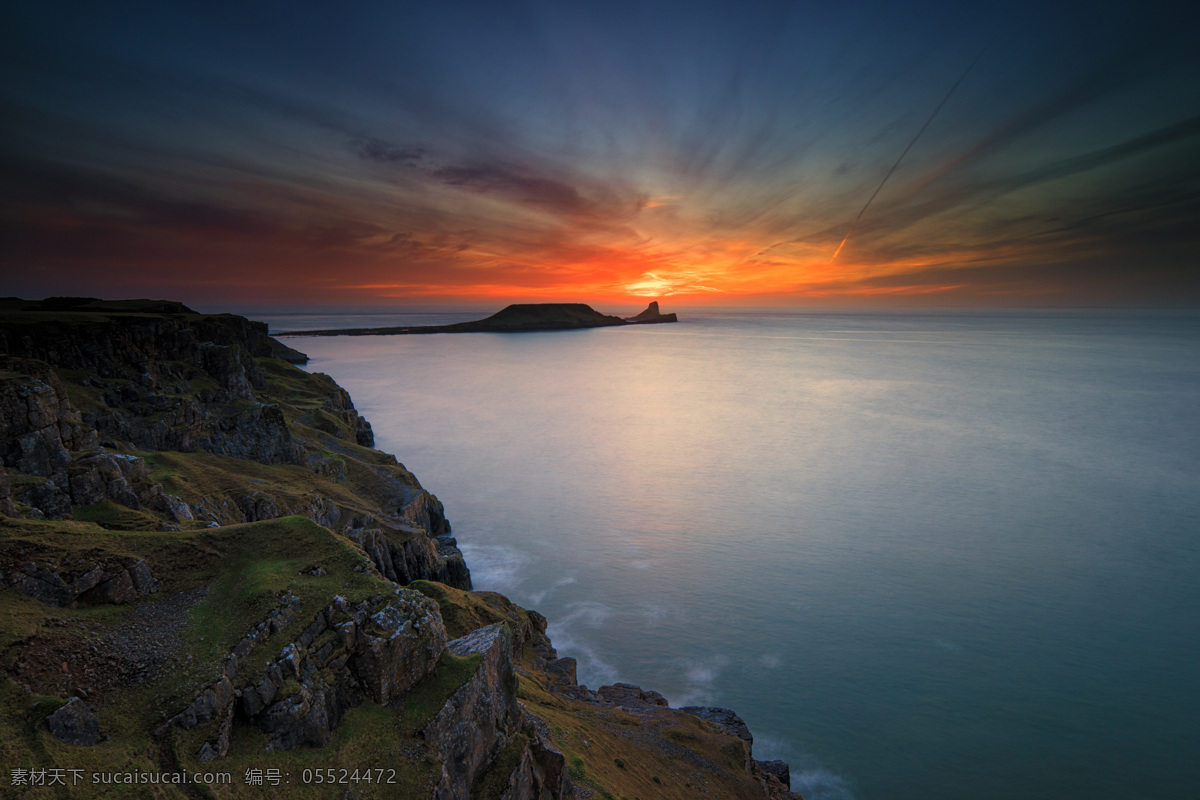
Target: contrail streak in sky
902,155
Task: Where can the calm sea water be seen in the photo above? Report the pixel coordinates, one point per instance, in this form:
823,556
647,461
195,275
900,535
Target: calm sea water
924,555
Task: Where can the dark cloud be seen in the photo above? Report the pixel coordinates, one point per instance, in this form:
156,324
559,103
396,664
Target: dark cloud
88,197
544,193
371,149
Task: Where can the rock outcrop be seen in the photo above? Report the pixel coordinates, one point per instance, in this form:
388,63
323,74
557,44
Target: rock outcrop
118,582
154,376
162,381
652,315
377,650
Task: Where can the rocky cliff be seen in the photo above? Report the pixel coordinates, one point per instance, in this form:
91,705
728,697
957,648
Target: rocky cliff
207,568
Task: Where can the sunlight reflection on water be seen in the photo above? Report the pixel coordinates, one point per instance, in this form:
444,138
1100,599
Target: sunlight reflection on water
912,551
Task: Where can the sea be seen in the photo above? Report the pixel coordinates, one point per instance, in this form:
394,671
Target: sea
947,555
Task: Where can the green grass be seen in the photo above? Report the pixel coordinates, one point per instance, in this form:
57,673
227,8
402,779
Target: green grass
495,780
369,737
111,516
243,587
463,611
421,705
253,565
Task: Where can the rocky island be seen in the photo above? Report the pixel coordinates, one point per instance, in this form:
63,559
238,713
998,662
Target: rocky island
516,318
208,571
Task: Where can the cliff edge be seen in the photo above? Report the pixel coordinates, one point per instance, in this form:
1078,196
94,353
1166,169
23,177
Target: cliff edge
207,569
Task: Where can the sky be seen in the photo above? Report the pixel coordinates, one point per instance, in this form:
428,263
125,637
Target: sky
777,153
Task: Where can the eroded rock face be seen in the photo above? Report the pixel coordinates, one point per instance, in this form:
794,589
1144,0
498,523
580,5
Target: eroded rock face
481,718
37,424
146,367
347,654
413,558
119,581
120,478
7,507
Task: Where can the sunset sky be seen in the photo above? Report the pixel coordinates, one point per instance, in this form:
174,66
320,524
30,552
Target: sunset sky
605,152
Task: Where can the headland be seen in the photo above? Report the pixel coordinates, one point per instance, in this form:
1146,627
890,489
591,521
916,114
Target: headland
516,318
208,568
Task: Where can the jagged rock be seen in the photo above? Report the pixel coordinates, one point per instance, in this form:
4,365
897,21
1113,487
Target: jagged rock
563,669
333,466
114,590
629,696
226,365
481,717
542,773
146,363
364,436
323,511
174,507
779,769
301,719
42,452
33,416
49,500
219,747
73,723
398,645
210,704
41,583
120,478
652,314
223,513
143,581
258,506
7,507
416,557
724,717
381,654
422,510
115,583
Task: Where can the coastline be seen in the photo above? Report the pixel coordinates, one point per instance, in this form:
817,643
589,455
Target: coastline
229,471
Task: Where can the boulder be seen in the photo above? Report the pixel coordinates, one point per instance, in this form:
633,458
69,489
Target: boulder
398,645
74,724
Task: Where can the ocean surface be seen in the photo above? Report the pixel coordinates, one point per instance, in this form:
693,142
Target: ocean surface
924,555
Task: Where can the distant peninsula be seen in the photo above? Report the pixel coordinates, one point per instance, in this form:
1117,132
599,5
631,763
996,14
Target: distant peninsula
516,318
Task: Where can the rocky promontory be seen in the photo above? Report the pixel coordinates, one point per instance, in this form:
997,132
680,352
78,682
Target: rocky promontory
516,318
207,568
652,315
